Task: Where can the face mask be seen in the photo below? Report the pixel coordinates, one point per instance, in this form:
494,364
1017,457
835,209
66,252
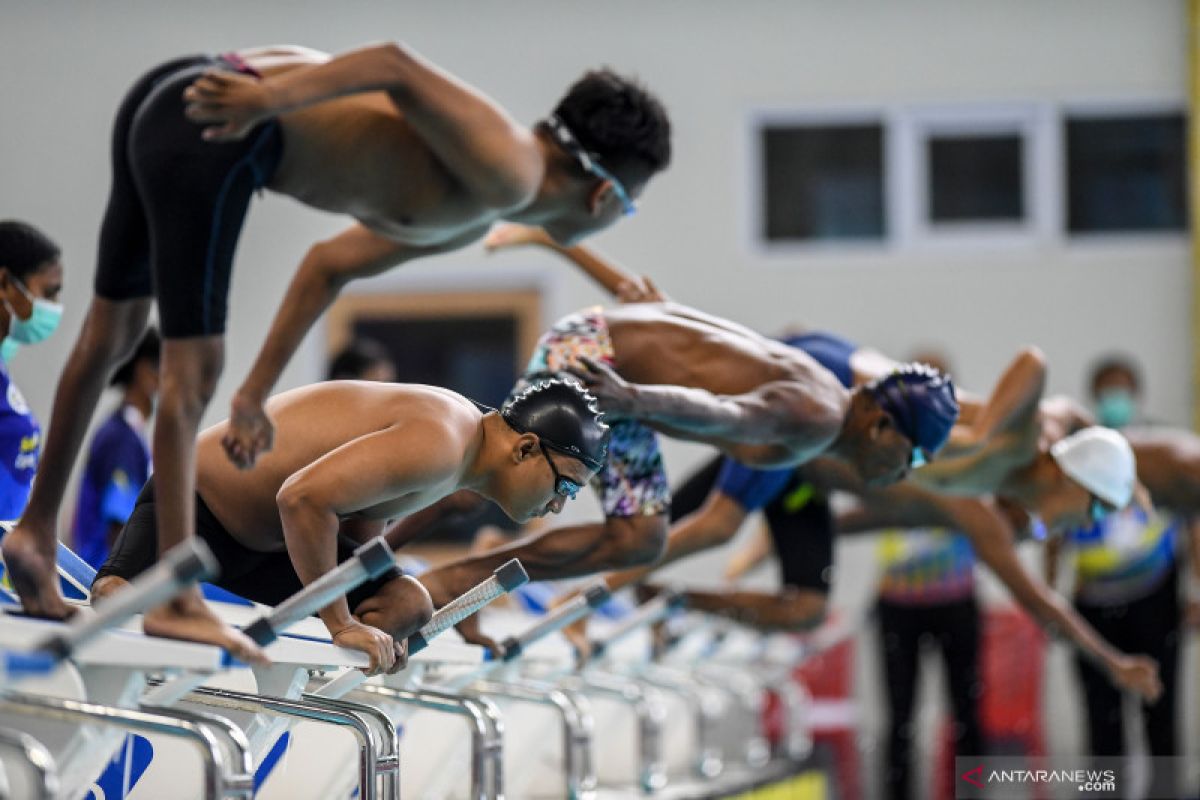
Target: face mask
8,349
41,323
1116,408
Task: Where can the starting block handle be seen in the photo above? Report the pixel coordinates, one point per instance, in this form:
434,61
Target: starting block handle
370,561
594,596
648,613
182,565
506,578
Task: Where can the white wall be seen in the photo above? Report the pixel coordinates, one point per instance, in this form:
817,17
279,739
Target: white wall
65,65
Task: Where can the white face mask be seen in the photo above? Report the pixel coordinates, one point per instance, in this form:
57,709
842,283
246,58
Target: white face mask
41,323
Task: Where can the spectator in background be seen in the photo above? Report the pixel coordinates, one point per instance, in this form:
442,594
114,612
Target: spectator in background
118,462
1127,587
362,360
31,278
1116,389
927,594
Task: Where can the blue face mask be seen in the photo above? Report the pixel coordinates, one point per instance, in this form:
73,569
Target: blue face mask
1116,408
8,349
41,323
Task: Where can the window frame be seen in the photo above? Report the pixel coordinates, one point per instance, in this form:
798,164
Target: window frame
1107,109
1032,122
754,191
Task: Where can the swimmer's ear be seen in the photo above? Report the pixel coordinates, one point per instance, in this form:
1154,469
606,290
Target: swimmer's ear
599,196
525,448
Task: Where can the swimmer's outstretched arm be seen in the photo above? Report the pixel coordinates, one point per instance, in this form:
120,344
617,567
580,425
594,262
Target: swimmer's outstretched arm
495,158
992,539
789,417
355,253
791,609
713,524
1012,405
621,283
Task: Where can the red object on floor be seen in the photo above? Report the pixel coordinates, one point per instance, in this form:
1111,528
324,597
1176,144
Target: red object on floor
1012,667
829,678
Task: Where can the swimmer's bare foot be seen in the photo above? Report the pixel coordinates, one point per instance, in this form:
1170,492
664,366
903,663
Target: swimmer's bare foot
31,568
188,618
105,585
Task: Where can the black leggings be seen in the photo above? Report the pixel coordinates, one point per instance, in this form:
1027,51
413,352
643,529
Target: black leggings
1150,626
799,520
954,627
267,578
177,202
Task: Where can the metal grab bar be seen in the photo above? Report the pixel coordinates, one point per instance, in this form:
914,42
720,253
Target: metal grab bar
487,731
217,783
647,707
578,770
370,561
709,758
244,701
387,761
36,758
180,567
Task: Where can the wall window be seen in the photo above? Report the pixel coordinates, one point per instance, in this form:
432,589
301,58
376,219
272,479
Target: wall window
1125,173
821,182
970,175
975,178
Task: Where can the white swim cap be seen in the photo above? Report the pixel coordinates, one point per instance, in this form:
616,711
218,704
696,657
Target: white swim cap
1101,461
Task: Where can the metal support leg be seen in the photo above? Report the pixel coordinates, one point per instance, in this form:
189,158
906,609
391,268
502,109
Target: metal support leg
487,730
217,782
709,759
748,695
352,722
647,707
387,764
578,770
37,760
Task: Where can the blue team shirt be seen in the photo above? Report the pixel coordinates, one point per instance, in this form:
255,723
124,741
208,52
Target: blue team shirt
118,465
20,443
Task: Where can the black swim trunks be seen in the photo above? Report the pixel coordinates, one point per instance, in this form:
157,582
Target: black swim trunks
267,578
177,202
798,517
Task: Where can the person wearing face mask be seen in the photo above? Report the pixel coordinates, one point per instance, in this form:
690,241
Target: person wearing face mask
1127,585
118,462
31,278
1116,388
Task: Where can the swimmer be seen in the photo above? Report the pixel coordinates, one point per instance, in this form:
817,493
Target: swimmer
356,455
423,162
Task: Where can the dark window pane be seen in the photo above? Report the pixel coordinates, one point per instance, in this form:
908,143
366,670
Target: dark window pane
1126,174
474,356
976,179
823,182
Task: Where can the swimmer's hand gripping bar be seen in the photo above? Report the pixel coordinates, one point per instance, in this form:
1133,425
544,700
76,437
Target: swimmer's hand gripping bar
506,578
181,566
648,613
569,612
370,561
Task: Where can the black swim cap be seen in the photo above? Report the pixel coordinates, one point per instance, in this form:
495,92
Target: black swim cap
921,401
565,417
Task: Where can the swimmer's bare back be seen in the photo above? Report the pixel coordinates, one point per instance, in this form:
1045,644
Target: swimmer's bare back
357,155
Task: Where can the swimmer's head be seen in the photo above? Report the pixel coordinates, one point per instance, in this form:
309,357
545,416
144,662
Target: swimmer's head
1099,471
899,421
561,443
611,135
